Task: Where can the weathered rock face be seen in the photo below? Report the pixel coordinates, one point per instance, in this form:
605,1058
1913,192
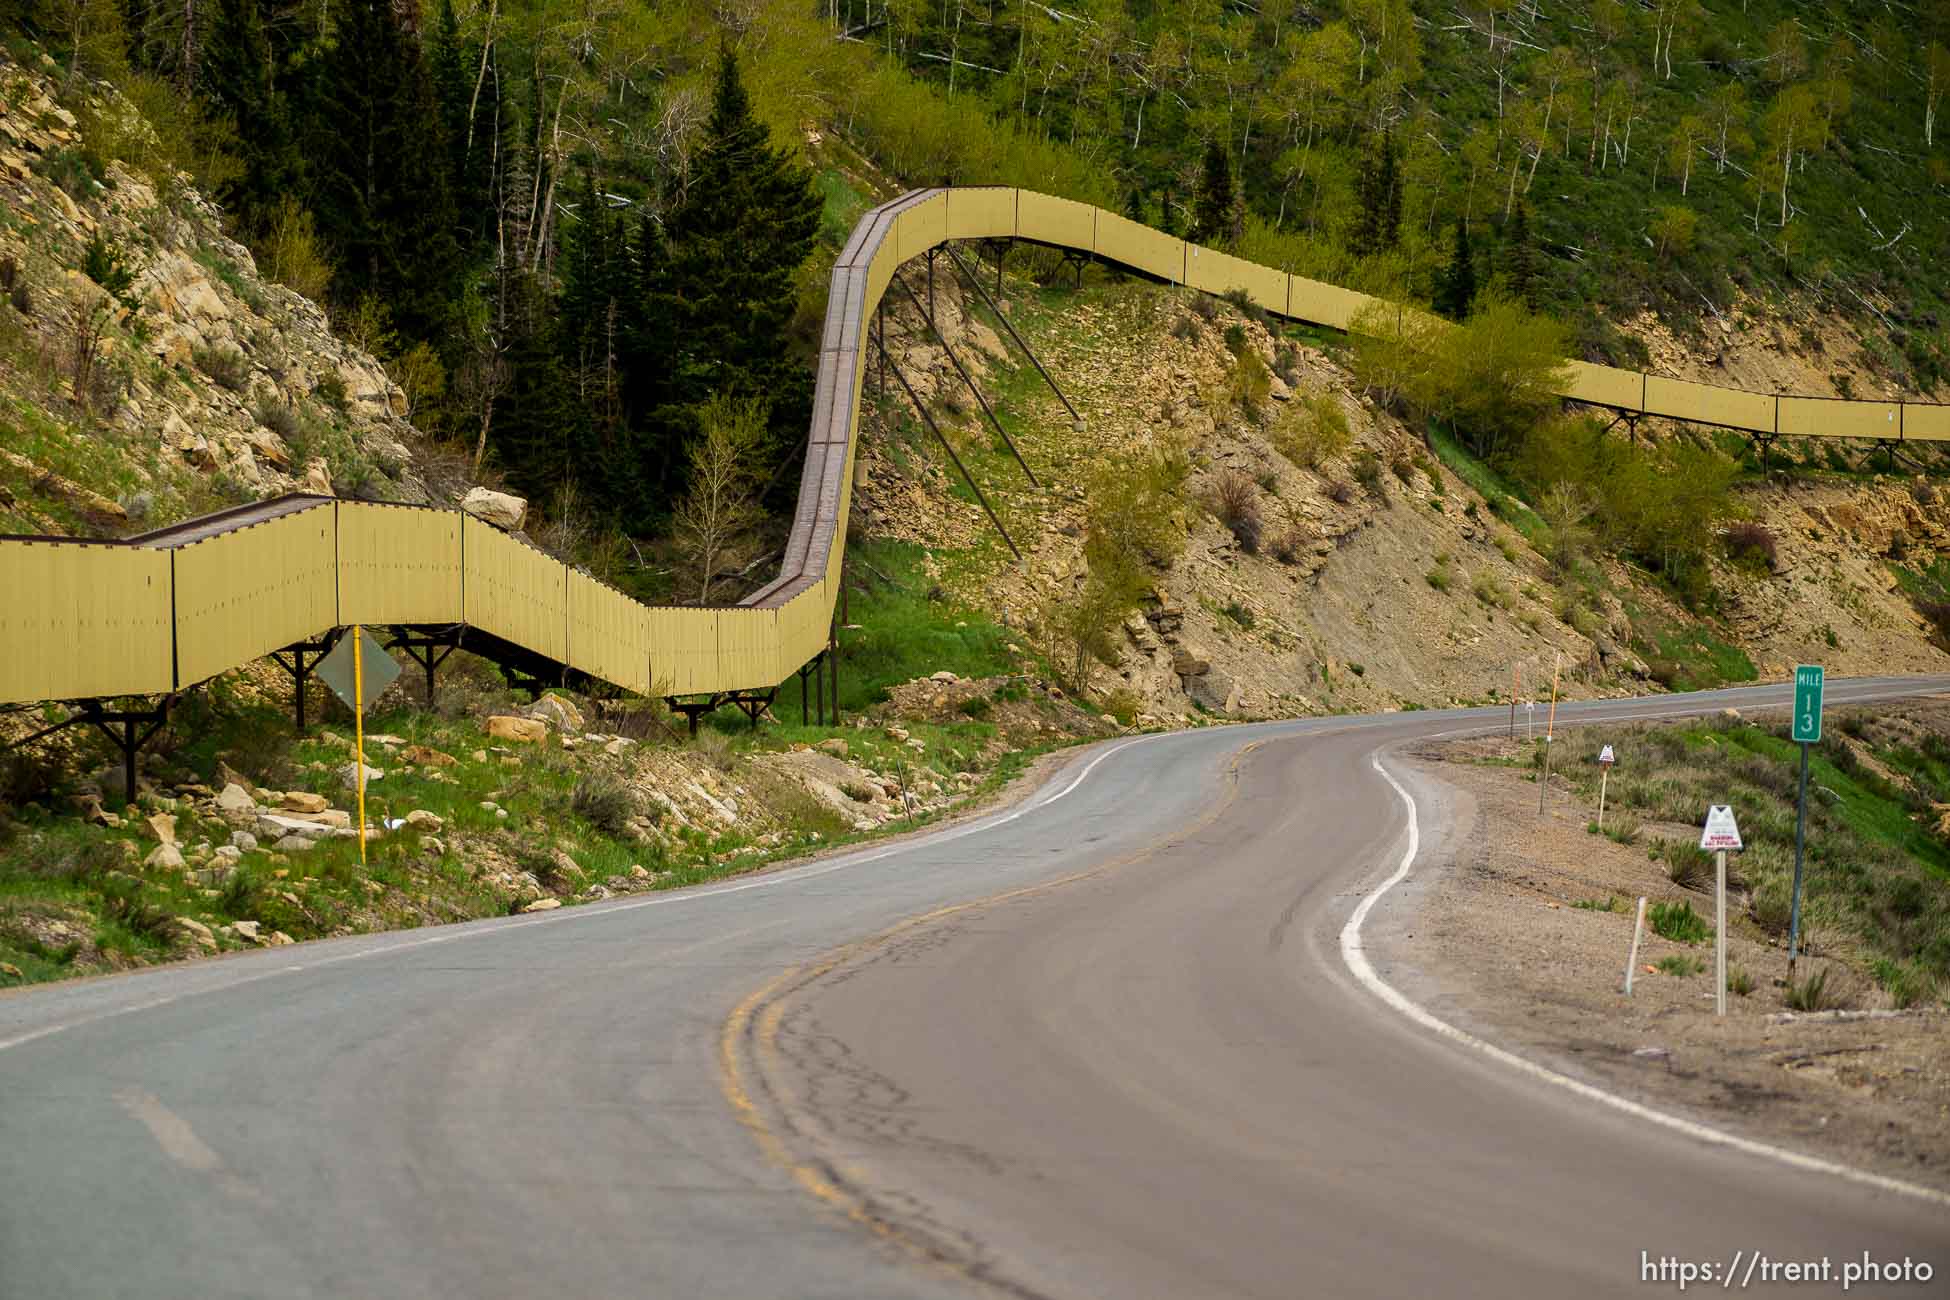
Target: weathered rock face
215,375
559,712
497,508
527,731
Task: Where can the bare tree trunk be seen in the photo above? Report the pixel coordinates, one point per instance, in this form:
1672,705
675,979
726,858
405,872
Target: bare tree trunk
487,44
554,174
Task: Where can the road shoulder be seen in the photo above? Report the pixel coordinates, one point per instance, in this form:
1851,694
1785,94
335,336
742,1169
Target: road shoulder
1487,935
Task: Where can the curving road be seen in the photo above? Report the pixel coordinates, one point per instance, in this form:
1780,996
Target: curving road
1145,1071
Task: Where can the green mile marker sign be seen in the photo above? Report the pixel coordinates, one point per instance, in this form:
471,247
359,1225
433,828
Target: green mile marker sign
1807,703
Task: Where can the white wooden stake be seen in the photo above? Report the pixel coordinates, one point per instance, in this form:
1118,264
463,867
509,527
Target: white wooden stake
1632,962
1604,775
1720,932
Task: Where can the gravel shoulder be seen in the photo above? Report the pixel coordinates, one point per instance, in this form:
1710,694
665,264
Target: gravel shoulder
1495,943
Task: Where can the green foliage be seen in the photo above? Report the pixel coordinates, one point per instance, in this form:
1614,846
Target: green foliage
226,366
1660,506
1812,993
1311,430
900,634
1218,212
1678,922
1455,288
605,801
1680,965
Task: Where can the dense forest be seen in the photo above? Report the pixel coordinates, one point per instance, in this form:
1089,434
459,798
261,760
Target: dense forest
567,227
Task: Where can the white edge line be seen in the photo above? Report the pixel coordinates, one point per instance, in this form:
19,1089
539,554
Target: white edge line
769,881
1356,958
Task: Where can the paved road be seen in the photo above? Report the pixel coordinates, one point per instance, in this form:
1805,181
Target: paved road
1156,1080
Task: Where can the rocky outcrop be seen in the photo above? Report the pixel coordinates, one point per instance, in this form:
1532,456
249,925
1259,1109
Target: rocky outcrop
216,381
497,508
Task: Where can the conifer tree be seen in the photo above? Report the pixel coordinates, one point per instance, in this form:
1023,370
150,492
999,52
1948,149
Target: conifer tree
1216,210
1378,192
239,75
468,168
389,220
736,242
1519,264
538,430
1455,287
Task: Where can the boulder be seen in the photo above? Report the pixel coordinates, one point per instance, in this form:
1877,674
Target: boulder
293,844
1190,661
162,826
421,756
235,798
559,712
945,677
318,477
276,827
421,820
497,508
349,775
278,939
187,930
165,856
247,929
529,731
302,801
836,747
543,905
620,745
243,841
1213,691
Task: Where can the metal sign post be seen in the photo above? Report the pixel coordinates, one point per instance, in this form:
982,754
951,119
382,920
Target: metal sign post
1720,834
359,670
1605,760
1550,728
1808,685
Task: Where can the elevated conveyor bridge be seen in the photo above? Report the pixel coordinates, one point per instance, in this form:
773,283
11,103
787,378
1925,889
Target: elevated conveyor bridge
155,615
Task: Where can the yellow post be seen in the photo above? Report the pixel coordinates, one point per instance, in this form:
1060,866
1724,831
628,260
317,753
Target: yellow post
1550,727
359,734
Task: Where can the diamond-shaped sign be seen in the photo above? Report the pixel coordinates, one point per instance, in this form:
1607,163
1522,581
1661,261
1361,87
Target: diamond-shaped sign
376,670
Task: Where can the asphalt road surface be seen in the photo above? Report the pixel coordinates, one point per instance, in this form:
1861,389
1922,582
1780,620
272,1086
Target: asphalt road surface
1145,1070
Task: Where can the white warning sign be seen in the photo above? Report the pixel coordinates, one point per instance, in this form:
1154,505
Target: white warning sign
1721,832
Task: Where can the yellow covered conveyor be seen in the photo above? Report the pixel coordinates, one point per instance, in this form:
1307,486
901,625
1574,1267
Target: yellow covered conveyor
157,614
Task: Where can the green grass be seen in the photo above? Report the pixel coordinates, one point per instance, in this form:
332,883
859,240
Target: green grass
901,634
1876,880
1689,657
54,868
1682,966
1678,922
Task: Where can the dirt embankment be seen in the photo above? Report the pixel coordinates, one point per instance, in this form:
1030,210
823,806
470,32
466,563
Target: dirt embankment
1522,933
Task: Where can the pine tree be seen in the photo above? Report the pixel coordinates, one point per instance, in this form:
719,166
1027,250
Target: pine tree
1378,193
538,433
1135,207
380,187
239,75
1519,264
736,243
468,168
1455,287
1215,203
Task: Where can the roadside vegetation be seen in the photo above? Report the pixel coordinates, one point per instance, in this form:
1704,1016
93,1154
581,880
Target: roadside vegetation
1876,884
613,797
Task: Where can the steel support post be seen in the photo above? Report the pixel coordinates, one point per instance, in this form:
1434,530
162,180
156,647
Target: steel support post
1076,420
927,315
949,447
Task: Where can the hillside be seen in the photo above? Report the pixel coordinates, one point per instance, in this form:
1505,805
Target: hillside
1383,577
148,372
